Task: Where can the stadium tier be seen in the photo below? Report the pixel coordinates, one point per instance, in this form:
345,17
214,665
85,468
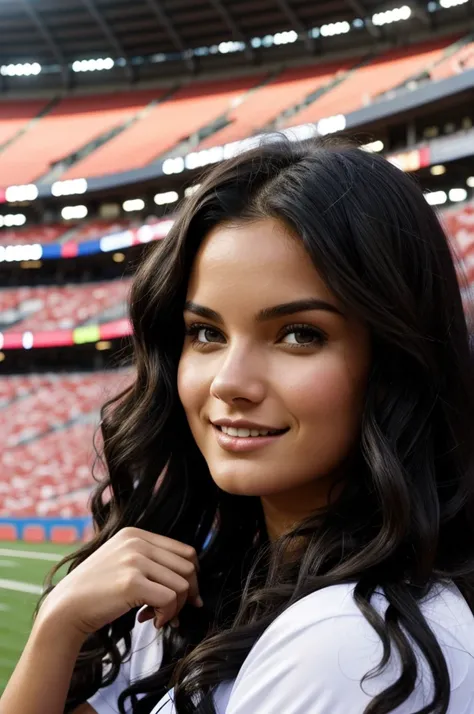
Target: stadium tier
63,307
48,424
68,126
111,133
32,234
187,111
371,79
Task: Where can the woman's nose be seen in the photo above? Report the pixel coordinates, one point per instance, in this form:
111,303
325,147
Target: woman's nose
239,377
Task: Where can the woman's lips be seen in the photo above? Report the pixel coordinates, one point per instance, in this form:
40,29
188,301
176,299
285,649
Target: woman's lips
245,443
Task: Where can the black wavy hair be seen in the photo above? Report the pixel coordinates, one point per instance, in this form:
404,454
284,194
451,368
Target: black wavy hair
405,518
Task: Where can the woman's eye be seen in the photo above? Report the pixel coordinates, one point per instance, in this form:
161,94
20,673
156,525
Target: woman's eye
203,335
303,337
206,334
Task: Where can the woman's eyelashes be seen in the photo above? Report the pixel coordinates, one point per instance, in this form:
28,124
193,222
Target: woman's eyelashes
301,335
295,336
202,335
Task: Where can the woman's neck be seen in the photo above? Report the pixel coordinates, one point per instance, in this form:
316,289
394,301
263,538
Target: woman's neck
283,511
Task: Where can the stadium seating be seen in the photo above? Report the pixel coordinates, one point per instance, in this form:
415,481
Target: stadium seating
48,429
14,117
190,109
456,63
53,308
262,106
459,224
371,79
32,234
248,104
69,126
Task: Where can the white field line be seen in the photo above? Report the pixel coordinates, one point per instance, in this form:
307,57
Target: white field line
31,554
20,587
4,563
3,607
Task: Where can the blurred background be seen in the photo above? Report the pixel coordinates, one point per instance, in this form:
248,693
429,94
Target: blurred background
109,110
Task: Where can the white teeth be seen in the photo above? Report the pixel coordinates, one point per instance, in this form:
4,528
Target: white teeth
244,433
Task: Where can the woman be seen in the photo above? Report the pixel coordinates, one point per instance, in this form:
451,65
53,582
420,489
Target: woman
303,389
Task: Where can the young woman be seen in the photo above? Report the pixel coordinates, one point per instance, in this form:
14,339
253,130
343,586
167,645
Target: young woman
304,393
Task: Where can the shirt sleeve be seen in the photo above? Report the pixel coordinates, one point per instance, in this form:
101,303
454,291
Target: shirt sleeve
144,658
315,668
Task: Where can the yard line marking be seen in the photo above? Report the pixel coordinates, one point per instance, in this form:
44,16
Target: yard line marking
3,607
8,564
21,587
34,555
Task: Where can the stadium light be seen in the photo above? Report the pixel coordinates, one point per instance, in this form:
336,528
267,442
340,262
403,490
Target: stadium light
92,65
457,194
389,16
470,181
20,70
16,194
168,197
2,356
191,189
173,166
438,170
329,125
71,213
445,4
133,204
103,345
20,253
374,146
436,198
118,257
69,187
335,28
286,37
13,219
27,340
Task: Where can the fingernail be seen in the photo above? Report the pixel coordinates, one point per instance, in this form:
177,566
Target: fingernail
174,622
199,601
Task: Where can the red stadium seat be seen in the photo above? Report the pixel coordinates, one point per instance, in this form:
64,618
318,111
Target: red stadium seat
370,80
64,534
190,109
267,102
34,534
52,308
8,532
69,126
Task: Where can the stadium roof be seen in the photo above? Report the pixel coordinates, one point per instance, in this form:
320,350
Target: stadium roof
59,31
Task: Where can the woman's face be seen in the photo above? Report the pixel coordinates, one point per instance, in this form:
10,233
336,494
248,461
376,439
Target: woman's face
273,370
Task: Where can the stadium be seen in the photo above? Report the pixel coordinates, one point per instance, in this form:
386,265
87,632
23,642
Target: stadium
109,111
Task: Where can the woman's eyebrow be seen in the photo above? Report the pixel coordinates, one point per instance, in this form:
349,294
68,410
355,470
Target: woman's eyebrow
202,311
268,313
290,308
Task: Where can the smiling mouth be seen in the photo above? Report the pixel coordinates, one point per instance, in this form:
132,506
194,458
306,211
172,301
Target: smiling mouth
246,433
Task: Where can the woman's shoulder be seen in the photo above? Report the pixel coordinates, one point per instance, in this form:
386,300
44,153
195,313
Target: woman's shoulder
325,632
443,608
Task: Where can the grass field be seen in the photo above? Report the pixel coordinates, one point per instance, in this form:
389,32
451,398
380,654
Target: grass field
23,567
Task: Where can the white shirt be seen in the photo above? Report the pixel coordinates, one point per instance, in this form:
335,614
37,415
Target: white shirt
312,658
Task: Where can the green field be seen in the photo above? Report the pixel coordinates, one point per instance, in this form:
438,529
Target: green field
21,565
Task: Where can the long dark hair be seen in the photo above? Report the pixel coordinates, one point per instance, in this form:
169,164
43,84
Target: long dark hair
404,520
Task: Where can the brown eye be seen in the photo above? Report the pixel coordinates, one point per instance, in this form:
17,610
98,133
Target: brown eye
207,334
303,337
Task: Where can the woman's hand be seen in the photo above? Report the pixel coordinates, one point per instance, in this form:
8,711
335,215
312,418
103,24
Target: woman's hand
133,569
